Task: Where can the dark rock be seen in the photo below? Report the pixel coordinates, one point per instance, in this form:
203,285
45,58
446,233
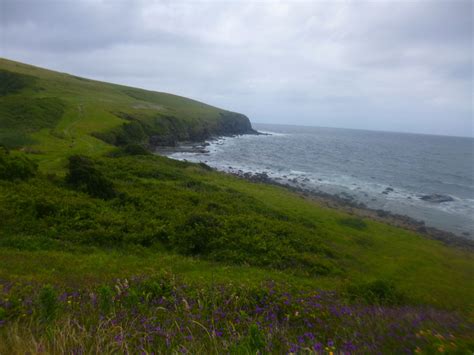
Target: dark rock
346,196
437,198
421,229
387,190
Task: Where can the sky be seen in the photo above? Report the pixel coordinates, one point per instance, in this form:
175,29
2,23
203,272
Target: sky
403,66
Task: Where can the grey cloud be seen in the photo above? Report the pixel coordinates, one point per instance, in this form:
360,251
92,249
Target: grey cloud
400,65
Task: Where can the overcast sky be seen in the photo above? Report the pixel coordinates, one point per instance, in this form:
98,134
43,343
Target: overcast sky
383,65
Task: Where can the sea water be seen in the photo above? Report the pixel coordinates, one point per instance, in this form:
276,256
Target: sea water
384,170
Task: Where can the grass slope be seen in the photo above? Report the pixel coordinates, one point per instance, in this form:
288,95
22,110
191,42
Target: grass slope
206,228
57,114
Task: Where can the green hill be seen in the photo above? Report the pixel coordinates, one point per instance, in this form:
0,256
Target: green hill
56,114
205,262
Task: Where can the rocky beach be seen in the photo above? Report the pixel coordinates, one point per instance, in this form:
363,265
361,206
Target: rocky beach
343,200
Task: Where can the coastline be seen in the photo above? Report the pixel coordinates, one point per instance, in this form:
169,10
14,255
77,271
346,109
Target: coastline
361,210
324,199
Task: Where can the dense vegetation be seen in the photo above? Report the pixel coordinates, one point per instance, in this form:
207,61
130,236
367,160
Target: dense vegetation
206,262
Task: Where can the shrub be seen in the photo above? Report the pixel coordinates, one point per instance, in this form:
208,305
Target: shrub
83,176
196,233
15,167
135,149
129,133
129,149
379,292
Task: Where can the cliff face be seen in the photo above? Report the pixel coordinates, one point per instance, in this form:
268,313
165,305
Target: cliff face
173,129
234,123
170,130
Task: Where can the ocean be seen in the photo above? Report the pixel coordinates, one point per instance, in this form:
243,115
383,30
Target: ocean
408,174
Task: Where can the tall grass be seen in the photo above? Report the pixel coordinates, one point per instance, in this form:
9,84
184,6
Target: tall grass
166,315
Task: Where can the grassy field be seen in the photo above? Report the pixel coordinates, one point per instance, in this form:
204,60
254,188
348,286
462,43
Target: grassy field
207,241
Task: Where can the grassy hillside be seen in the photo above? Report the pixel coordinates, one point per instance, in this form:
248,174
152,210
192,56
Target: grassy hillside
57,114
117,250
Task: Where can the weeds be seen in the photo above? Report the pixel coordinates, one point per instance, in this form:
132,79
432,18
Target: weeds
163,314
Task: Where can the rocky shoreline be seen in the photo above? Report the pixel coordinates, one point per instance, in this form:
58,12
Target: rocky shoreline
340,201
361,210
199,147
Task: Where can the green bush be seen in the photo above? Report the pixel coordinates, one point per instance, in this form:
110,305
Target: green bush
130,149
378,292
15,167
83,176
129,133
194,236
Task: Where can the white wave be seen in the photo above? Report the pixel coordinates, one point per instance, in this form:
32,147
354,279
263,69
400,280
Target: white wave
277,134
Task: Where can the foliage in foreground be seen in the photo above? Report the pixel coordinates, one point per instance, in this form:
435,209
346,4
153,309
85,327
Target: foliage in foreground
83,176
163,314
157,204
15,167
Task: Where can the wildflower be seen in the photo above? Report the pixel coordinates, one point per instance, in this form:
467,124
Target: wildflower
118,339
293,349
318,347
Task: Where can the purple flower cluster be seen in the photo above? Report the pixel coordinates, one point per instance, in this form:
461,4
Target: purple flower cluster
162,314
